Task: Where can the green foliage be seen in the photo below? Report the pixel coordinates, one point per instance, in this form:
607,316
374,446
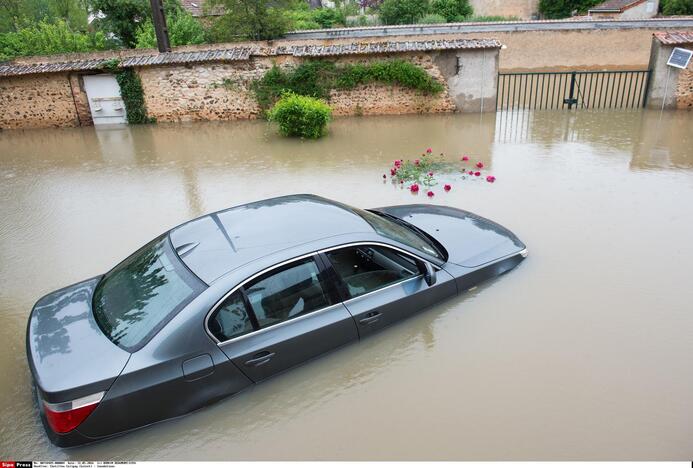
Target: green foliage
403,11
451,10
432,18
45,39
122,18
21,14
250,20
133,96
676,7
363,20
300,116
183,29
317,77
564,8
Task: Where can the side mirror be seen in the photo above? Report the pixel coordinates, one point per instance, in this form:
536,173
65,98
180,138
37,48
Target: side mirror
429,273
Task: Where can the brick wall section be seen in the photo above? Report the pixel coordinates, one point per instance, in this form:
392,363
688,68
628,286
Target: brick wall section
37,101
684,89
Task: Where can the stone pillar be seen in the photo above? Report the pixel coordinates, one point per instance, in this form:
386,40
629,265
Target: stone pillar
81,101
472,75
670,86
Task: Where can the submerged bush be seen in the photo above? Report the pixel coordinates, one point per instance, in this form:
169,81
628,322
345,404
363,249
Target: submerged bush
300,116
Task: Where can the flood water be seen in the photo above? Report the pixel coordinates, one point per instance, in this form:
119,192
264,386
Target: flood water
585,351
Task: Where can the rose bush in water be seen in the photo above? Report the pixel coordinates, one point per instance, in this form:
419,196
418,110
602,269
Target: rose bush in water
422,171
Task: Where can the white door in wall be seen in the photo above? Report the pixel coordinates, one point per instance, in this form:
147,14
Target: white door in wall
106,105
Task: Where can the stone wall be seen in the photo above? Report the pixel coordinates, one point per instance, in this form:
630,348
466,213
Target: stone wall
210,91
37,101
523,9
222,91
684,88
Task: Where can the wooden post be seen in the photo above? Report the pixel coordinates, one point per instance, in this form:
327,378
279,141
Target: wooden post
159,20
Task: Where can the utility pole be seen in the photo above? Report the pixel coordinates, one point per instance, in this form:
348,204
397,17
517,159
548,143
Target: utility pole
159,20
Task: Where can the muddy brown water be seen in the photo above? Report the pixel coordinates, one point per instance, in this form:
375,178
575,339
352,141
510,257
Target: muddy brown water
585,351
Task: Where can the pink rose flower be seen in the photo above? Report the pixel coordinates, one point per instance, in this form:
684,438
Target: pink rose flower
398,163
416,162
465,158
479,164
447,187
490,179
477,173
414,188
430,174
393,171
431,194
429,150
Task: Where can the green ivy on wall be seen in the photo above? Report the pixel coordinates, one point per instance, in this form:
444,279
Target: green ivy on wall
130,90
318,77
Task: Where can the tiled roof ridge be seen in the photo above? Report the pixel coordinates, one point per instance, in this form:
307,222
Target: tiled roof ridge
244,53
674,37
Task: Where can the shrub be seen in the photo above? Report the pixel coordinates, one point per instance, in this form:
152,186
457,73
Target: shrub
301,17
392,72
564,8
256,20
677,7
183,29
300,116
317,77
432,18
46,39
451,10
403,11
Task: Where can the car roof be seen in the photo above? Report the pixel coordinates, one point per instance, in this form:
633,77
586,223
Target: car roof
214,244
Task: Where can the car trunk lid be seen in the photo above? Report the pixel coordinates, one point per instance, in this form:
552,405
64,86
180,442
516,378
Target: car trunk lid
69,355
470,240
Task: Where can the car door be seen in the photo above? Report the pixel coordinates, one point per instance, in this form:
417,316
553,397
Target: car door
382,285
281,318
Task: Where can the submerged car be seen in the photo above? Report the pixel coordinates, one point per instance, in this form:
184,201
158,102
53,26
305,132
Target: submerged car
237,296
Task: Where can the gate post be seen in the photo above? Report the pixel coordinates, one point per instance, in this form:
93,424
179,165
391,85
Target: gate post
571,100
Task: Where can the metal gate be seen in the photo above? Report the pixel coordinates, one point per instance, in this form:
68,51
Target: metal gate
573,89
106,105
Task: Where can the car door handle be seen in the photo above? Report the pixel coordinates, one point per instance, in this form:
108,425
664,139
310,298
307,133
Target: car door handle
260,359
372,317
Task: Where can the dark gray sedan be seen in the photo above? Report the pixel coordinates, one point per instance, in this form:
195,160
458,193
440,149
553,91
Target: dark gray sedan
237,296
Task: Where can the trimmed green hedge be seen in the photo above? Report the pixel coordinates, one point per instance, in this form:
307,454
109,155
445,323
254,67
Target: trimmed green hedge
300,116
318,77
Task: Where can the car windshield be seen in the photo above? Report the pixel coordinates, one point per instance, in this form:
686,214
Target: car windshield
135,299
401,231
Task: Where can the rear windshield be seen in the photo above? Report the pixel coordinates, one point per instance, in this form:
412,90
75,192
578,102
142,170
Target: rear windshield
138,297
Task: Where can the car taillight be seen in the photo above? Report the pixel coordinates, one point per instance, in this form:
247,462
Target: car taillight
64,417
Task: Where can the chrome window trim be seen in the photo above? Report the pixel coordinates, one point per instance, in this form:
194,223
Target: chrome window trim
295,259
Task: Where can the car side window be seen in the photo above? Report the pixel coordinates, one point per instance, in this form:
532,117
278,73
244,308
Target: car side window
366,268
231,318
290,291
